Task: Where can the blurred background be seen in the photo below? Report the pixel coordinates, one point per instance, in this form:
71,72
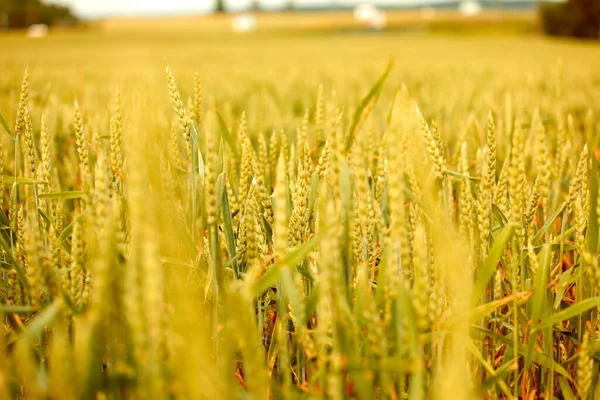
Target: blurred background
269,57
578,18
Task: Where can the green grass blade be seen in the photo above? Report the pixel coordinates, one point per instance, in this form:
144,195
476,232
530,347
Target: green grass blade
74,194
565,389
220,189
299,254
305,273
267,280
9,309
4,219
548,224
200,166
490,264
44,216
194,134
67,231
570,312
565,280
500,217
293,258
226,135
4,244
6,128
462,176
228,229
214,239
490,369
22,181
540,358
365,106
43,319
540,296
541,280
289,289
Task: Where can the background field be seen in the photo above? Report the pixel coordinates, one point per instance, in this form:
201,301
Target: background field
290,55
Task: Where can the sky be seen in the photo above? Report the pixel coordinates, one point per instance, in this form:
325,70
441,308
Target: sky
91,8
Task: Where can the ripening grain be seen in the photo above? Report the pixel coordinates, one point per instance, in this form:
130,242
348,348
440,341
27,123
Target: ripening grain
296,227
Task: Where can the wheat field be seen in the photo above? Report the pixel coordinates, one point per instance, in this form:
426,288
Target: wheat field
298,214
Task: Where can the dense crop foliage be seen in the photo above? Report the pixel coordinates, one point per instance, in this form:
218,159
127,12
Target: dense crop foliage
303,230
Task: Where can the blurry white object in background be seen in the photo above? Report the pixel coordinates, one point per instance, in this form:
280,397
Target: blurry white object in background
427,12
37,31
244,23
378,21
364,12
370,16
469,8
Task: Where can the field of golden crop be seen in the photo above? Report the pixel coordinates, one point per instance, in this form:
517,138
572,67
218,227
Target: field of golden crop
310,211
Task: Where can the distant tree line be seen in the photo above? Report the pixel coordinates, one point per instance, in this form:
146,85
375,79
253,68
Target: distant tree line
578,18
23,13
